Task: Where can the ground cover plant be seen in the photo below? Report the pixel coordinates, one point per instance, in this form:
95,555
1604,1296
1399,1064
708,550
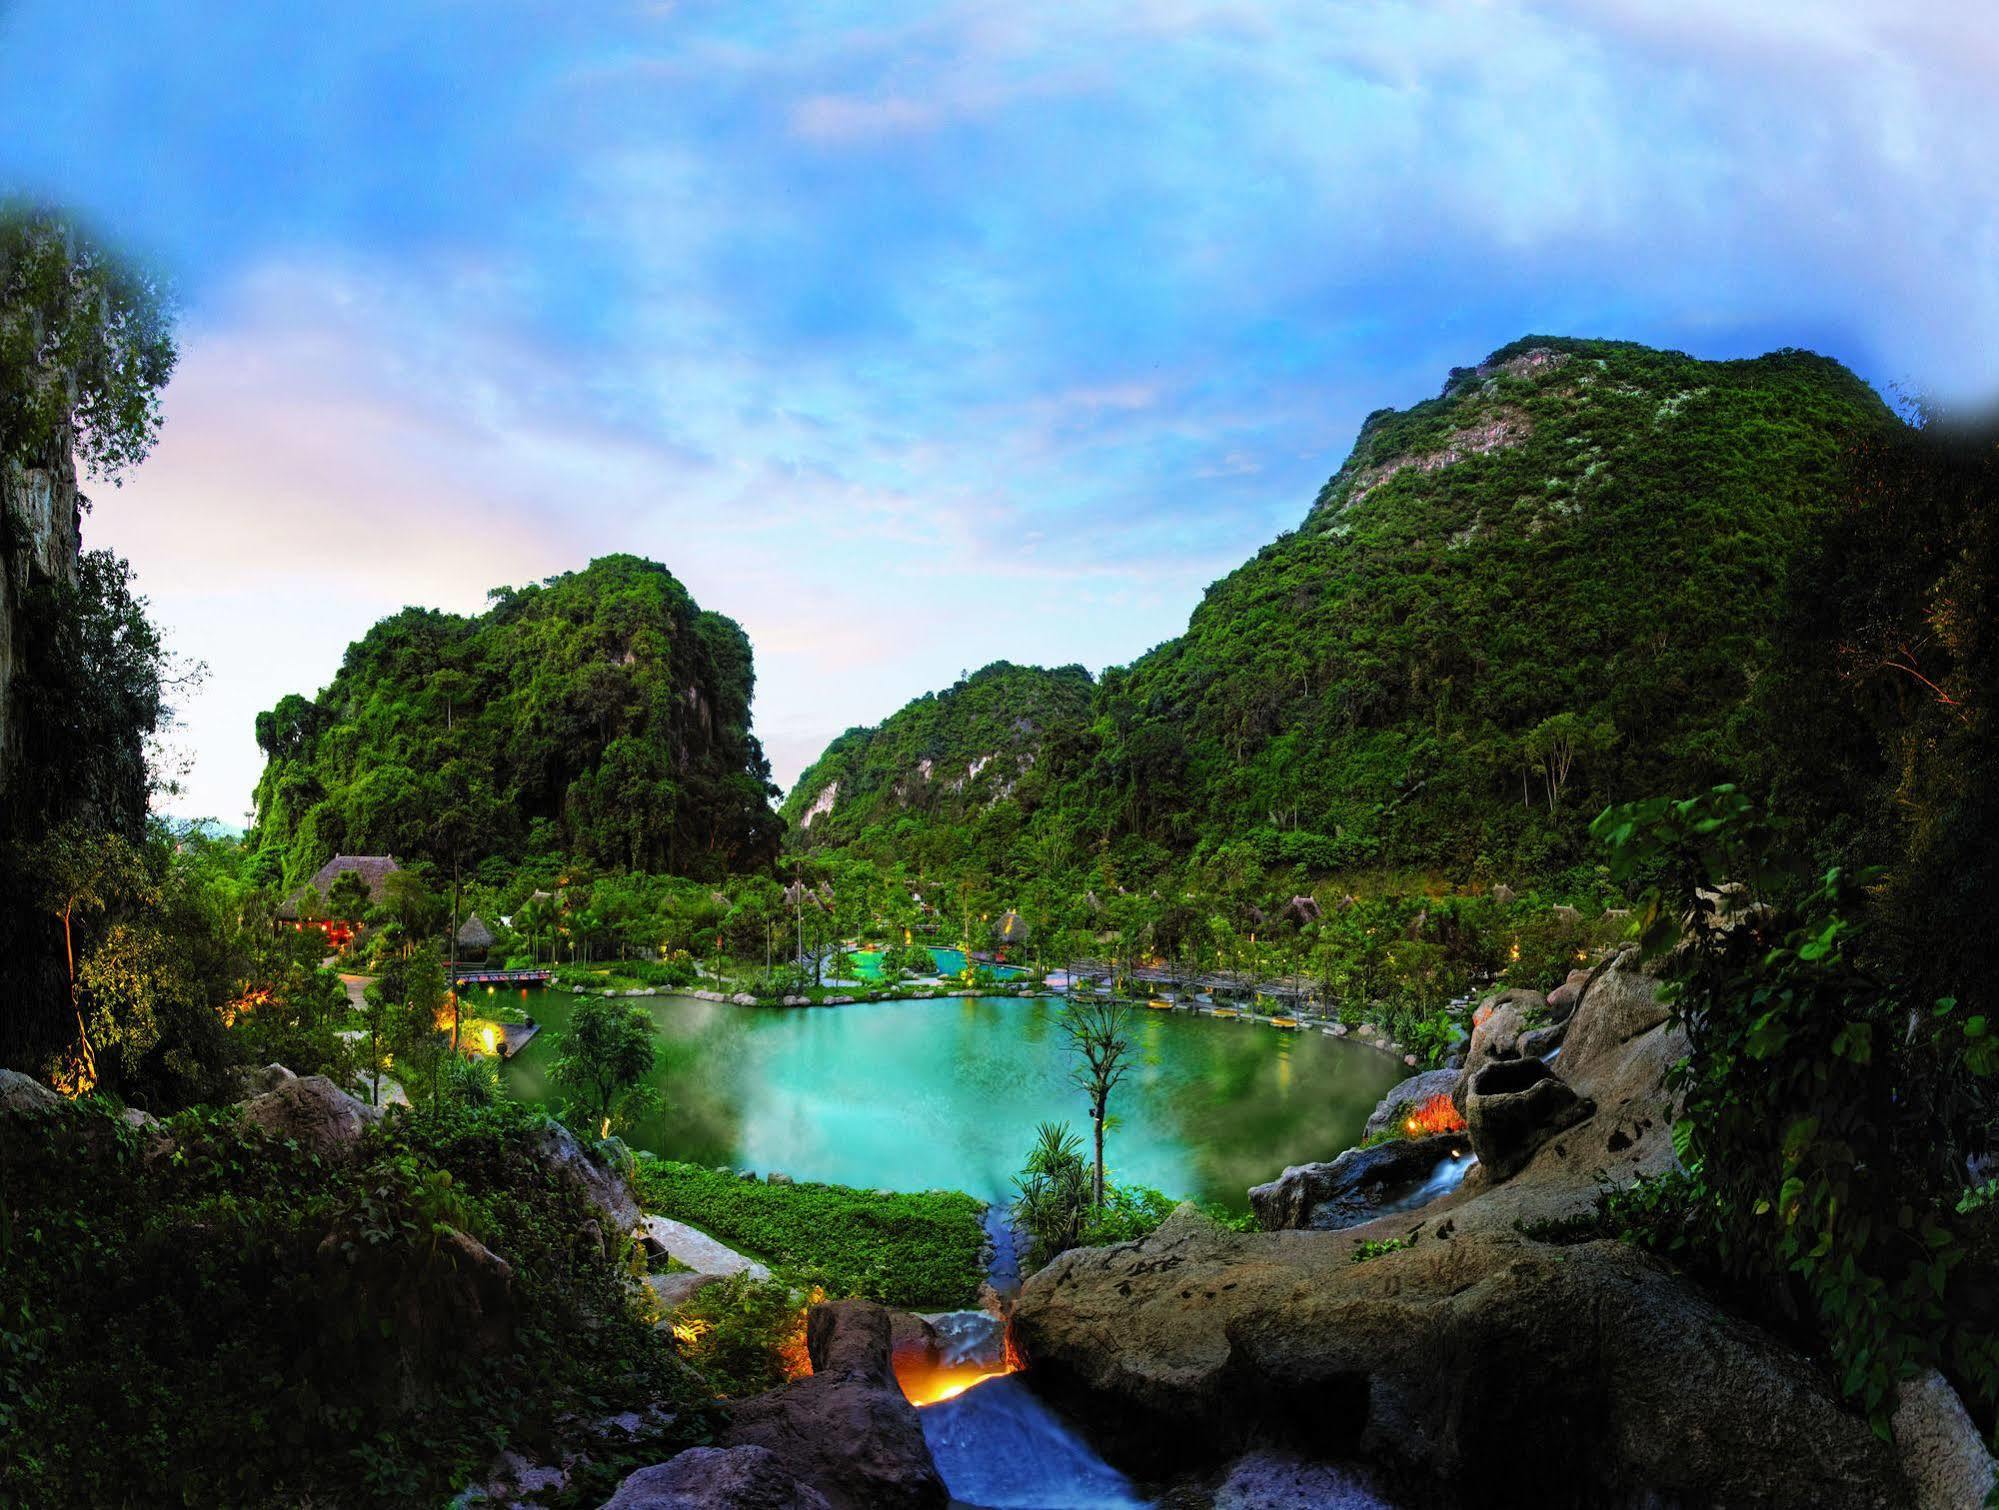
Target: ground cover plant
917,1251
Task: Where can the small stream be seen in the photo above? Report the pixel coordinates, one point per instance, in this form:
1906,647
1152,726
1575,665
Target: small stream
997,1444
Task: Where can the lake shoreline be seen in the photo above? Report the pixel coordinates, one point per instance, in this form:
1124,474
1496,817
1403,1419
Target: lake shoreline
1365,1034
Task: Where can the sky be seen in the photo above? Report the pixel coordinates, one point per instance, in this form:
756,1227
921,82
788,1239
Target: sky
919,336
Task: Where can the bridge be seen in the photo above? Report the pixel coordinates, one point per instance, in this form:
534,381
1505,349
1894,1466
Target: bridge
462,975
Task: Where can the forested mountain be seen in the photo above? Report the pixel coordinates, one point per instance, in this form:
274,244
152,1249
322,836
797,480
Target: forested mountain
961,763
1552,586
600,714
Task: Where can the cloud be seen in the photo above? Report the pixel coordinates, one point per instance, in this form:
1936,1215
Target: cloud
970,332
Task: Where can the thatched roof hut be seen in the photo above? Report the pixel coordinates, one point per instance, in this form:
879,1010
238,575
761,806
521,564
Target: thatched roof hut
1304,908
474,937
1011,928
372,869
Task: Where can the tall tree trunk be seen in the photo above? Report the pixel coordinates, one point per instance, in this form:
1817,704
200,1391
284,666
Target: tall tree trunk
1097,1125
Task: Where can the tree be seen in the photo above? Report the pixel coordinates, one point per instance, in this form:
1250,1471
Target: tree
1053,1203
409,901
347,898
86,344
1099,1033
1557,743
80,872
606,1055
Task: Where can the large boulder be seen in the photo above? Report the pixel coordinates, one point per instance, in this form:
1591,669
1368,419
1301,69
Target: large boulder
716,1478
1504,1370
256,1079
1622,1005
316,1112
24,1096
1358,1186
847,1429
1412,1092
592,1176
1512,1108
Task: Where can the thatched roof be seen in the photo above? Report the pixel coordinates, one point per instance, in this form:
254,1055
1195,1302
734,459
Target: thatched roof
372,869
1304,908
1011,928
475,934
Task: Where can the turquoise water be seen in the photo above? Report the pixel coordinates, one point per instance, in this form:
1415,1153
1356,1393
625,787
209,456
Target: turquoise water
948,962
946,1094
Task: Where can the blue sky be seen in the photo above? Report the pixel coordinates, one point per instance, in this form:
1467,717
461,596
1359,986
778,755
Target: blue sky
914,337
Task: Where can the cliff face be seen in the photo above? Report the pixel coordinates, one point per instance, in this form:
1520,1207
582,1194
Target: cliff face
40,537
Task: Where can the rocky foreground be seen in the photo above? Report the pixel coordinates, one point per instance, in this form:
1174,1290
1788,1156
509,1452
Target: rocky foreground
1472,1356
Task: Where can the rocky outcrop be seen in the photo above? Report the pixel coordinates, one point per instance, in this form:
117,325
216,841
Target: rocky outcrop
846,1430
40,538
1507,1370
1410,1093
1356,1187
716,1478
595,1178
1512,1108
316,1112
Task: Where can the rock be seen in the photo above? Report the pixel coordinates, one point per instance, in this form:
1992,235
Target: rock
1567,915
777,1177
847,1429
674,1290
1623,1005
743,999
588,1173
1512,1108
746,1174
445,1304
716,1478
1562,1000
256,1080
24,1096
1941,1450
1497,1026
315,1111
1354,1188
144,1121
1539,1043
1406,1096
1508,1371
1279,1481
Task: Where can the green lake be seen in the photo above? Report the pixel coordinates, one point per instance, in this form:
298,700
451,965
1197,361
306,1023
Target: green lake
919,1095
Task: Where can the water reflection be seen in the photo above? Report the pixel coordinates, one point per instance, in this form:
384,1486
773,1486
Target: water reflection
945,1094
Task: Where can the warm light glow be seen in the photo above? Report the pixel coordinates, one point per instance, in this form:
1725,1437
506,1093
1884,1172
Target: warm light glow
605,1130
492,1041
690,1332
928,1383
1437,1115
1513,953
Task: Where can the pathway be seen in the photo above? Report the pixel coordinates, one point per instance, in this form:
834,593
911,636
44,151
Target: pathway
700,1252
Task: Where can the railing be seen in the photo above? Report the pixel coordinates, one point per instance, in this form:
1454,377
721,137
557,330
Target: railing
466,976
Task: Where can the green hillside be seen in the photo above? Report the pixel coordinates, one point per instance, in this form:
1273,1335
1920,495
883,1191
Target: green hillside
1552,586
600,714
952,771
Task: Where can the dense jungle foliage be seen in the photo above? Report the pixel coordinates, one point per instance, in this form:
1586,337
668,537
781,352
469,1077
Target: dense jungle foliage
1553,586
599,714
207,1314
1835,962
86,345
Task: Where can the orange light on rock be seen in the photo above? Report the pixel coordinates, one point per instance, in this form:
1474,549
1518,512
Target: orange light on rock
1437,1115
